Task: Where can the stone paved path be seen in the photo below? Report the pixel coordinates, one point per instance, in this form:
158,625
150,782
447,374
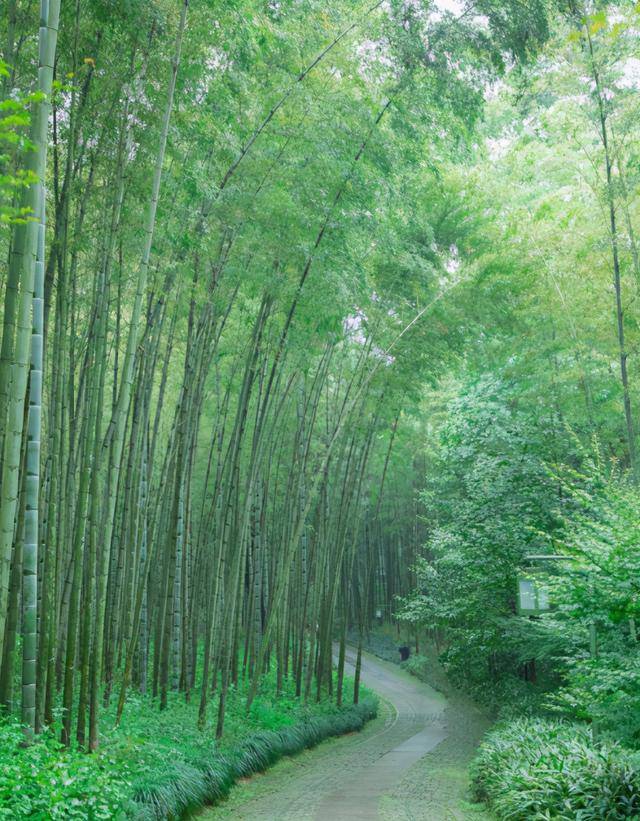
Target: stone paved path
346,778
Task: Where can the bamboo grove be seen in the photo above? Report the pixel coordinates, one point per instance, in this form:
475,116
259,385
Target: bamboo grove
221,299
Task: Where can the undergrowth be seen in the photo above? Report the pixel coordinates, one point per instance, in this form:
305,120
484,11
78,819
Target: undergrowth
158,765
207,779
534,769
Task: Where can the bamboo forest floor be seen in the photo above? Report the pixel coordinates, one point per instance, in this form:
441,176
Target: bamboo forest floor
409,763
157,764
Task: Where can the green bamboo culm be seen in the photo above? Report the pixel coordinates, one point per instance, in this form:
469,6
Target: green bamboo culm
22,270
114,440
31,529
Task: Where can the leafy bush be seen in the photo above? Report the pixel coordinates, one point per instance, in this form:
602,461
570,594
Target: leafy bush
46,781
535,769
605,690
417,665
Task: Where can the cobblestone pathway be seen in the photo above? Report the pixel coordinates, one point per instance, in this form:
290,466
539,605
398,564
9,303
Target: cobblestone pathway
369,775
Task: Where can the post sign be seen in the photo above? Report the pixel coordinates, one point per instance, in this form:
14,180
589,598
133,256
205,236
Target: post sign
533,598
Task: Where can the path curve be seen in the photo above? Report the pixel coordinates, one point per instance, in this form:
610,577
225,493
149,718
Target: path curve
344,779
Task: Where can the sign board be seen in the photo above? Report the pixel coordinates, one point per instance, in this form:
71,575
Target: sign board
533,599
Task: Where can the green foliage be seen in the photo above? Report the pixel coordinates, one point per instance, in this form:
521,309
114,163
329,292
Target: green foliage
488,496
14,145
597,583
158,764
171,791
604,691
44,780
508,434
533,769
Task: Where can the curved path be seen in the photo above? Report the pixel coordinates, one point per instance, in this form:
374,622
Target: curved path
345,778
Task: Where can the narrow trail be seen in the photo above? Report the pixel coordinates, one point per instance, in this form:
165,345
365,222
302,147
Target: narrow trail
346,778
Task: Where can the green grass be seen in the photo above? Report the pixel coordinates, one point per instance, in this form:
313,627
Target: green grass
158,764
171,792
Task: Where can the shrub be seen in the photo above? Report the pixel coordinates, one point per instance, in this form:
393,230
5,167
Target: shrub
46,781
535,769
605,690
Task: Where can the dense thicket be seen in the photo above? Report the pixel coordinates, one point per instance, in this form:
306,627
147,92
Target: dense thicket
531,444
228,269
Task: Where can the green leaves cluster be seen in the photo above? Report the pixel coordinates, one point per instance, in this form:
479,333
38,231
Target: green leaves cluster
533,769
14,144
46,781
487,497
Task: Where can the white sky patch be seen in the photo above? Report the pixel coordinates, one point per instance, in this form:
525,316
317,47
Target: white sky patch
607,93
354,321
454,6
215,62
452,262
492,90
630,76
373,54
498,147
577,99
353,327
442,7
481,21
387,358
